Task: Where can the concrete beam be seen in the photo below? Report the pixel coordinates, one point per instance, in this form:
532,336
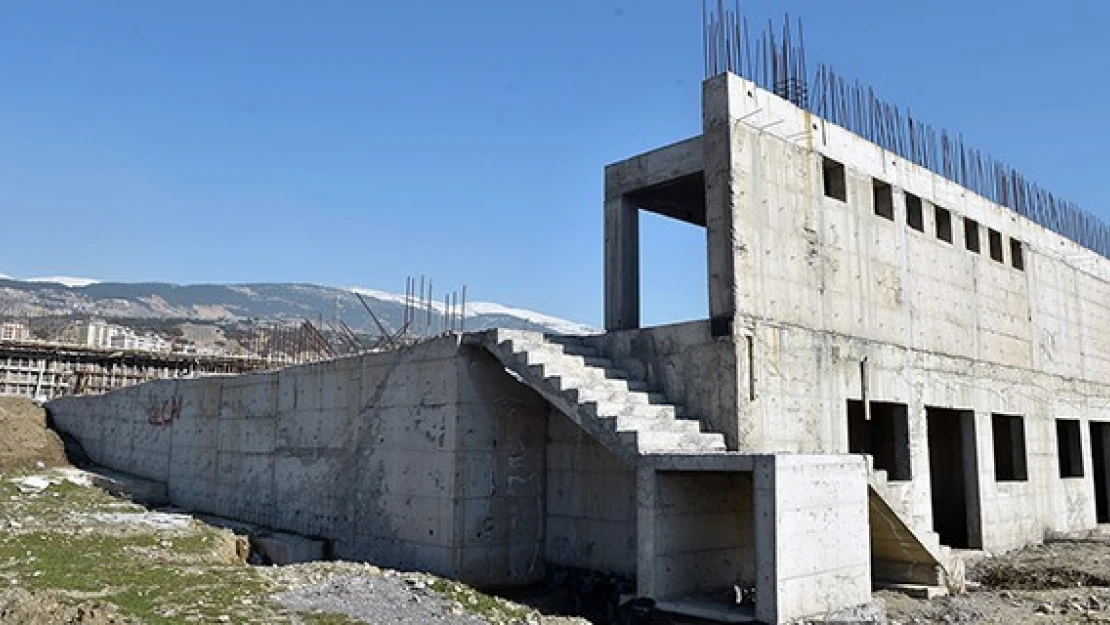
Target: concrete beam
654,168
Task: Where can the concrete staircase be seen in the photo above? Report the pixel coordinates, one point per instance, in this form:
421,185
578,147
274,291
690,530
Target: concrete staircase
904,557
624,414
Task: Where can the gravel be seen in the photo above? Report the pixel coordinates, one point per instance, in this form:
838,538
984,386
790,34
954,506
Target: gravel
377,599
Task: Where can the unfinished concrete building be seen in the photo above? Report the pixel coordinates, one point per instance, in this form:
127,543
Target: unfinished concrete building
893,369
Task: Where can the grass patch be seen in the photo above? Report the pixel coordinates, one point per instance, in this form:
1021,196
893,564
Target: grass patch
140,587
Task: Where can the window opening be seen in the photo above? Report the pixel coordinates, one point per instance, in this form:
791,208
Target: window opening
944,224
995,240
971,234
1017,258
914,217
834,180
1009,448
1069,448
883,195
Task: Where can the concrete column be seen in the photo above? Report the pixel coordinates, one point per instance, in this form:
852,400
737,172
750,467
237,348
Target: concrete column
972,478
645,532
622,264
766,566
720,195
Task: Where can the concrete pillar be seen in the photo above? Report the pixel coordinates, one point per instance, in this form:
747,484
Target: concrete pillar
720,195
766,543
972,479
622,264
645,532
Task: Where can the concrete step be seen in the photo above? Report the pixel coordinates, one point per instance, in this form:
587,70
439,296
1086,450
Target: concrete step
580,350
603,410
647,424
608,394
657,442
582,353
590,377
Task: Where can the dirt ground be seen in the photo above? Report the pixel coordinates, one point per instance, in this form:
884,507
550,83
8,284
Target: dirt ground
25,441
1058,582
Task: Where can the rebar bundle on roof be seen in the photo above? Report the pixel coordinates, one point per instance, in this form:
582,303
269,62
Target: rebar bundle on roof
777,63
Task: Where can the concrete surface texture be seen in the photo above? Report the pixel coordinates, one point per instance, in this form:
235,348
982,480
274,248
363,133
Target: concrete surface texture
412,458
492,458
862,304
893,370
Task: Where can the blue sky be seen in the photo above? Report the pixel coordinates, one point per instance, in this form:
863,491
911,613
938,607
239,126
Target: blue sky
350,143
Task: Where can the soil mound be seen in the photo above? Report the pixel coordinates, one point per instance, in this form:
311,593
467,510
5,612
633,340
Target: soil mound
25,440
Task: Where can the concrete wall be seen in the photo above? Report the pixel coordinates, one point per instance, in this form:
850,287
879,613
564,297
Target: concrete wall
500,474
705,533
821,555
837,302
591,503
429,457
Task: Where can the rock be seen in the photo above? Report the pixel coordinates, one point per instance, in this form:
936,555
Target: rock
1044,608
1093,603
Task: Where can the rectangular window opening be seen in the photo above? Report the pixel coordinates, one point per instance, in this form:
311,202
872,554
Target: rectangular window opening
944,224
836,186
995,240
884,199
886,436
914,216
1016,255
1009,448
1069,448
971,234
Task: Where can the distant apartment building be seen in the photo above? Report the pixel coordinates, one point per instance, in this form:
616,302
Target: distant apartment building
13,331
96,333
128,340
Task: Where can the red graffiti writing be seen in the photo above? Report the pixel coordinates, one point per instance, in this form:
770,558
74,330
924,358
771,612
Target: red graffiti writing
164,413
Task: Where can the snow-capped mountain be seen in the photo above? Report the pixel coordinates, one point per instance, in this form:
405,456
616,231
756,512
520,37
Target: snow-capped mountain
85,297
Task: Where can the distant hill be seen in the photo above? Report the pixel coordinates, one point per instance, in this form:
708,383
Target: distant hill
239,302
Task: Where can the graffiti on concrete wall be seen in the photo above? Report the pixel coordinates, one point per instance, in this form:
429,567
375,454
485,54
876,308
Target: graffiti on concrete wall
165,412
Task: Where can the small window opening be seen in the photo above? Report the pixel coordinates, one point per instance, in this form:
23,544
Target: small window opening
1016,257
995,239
914,216
1009,448
971,234
886,436
1069,448
884,199
835,185
944,224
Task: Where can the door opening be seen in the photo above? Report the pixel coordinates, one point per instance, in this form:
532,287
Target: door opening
954,476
